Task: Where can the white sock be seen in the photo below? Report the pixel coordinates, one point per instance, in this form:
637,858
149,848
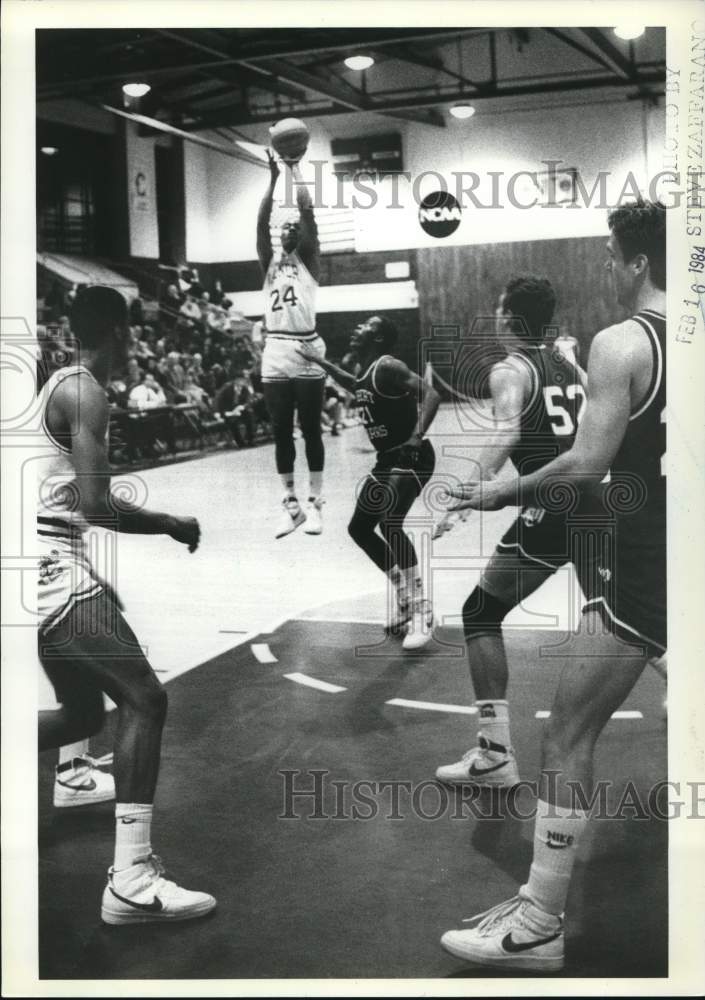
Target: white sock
315,485
72,750
287,479
396,578
413,582
552,866
133,833
494,720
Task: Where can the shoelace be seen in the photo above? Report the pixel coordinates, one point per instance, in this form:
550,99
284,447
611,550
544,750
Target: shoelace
104,761
492,919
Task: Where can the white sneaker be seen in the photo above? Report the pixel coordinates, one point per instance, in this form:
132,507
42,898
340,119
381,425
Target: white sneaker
140,893
515,934
79,782
449,521
399,619
489,765
420,627
290,518
314,521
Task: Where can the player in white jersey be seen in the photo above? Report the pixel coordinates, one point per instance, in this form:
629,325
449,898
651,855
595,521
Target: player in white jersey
290,382
85,644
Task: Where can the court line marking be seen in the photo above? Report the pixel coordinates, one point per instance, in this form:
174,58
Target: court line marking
313,682
343,621
626,714
433,706
263,653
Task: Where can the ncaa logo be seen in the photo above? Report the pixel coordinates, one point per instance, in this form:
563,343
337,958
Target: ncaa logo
439,214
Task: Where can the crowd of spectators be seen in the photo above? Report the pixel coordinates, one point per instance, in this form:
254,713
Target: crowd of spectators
192,373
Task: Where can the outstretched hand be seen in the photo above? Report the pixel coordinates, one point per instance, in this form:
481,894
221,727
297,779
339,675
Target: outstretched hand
307,353
186,530
481,494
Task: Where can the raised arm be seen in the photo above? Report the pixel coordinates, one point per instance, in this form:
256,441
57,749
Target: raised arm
81,406
308,247
264,237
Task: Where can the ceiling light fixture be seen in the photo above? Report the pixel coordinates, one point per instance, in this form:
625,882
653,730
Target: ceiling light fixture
462,110
135,89
629,31
49,150
359,62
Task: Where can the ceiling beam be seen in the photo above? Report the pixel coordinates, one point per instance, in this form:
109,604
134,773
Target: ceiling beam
583,49
432,99
618,62
415,58
245,53
323,84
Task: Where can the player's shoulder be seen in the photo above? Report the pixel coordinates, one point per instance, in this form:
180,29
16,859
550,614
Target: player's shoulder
78,390
619,342
511,370
388,372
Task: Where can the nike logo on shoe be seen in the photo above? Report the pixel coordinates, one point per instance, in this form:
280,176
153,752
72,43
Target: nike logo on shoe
477,772
87,786
514,947
156,906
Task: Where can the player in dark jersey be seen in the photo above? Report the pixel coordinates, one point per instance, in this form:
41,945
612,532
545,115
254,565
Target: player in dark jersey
624,580
537,400
397,409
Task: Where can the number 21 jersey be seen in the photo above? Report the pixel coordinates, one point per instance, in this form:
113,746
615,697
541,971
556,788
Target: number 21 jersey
290,296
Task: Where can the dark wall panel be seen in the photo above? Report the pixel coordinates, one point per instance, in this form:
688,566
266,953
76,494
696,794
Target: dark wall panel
458,283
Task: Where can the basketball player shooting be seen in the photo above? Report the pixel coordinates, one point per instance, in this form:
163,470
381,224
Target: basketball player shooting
397,408
291,382
86,646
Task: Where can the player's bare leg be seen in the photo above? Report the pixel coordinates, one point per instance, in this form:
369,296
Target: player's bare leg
527,931
309,405
280,398
505,584
95,641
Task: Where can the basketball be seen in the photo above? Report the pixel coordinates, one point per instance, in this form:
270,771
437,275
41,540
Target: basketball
289,138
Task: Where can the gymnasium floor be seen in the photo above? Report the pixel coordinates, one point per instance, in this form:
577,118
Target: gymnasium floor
240,632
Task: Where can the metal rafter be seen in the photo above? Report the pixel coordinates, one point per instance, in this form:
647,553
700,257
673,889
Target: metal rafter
618,62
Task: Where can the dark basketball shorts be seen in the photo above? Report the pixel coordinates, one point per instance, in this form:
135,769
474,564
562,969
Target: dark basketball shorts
418,463
625,582
538,539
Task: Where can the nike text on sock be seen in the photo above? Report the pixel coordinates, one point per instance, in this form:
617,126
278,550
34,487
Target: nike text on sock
557,835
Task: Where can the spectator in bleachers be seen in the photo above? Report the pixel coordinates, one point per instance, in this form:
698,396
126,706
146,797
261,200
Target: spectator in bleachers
176,377
218,294
133,378
147,394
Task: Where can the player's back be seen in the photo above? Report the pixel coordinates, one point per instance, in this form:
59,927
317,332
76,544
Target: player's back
553,408
57,515
639,460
